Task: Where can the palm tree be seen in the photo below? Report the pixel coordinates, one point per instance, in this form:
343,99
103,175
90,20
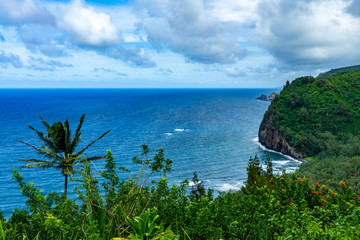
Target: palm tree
59,148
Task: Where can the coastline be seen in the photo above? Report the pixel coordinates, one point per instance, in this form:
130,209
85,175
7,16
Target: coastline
256,141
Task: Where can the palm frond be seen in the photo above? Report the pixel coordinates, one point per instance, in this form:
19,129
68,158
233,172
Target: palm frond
67,137
77,136
45,152
45,164
43,138
82,150
45,124
34,147
30,160
51,154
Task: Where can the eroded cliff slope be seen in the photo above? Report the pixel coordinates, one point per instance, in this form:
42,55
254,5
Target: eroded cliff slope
272,139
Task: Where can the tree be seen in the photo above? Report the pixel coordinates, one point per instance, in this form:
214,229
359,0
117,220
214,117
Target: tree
254,171
198,189
59,148
269,168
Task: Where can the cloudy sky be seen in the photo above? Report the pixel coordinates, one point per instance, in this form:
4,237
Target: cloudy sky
174,43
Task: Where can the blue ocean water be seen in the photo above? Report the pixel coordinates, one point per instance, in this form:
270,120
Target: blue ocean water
211,131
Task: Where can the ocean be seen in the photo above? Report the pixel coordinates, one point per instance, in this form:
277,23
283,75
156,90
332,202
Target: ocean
210,131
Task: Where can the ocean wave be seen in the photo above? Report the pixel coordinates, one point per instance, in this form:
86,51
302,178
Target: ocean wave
256,141
191,183
180,129
281,162
292,169
230,187
263,166
168,134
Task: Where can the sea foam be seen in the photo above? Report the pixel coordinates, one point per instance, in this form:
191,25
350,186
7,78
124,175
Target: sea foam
180,129
256,141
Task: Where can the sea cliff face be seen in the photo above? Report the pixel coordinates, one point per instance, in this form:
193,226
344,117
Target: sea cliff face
271,139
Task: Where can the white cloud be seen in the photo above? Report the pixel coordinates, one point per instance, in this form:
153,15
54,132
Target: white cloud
134,56
107,70
241,12
12,59
87,26
47,40
26,11
185,26
307,32
283,36
234,72
46,65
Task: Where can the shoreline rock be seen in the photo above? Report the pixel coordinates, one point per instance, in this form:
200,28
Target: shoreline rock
263,97
271,139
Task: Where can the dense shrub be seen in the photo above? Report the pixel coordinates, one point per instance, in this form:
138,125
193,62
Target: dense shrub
268,207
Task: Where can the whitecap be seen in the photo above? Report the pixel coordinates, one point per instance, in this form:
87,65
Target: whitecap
193,184
281,162
180,129
229,187
256,141
168,134
287,170
293,169
290,170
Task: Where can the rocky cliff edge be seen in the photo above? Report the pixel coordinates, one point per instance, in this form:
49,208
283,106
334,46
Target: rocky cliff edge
271,139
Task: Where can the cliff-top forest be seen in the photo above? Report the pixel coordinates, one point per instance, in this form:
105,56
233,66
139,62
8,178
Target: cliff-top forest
320,117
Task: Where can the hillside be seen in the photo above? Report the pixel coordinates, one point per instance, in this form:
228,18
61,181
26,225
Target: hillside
336,70
311,110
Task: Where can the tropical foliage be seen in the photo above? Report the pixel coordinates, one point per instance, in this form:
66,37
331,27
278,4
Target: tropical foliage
339,161
320,117
270,207
58,149
308,109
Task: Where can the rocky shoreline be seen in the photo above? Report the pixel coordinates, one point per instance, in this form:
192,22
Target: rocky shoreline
272,139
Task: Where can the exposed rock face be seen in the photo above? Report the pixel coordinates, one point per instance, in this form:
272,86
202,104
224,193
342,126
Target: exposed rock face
271,139
263,97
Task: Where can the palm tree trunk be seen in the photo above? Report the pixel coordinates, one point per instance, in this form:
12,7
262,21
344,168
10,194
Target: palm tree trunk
66,182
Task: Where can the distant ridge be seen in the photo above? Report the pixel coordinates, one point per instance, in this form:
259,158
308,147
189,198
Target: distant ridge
336,70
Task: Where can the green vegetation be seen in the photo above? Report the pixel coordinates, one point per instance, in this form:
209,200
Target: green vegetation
320,117
268,207
336,70
339,161
59,148
309,109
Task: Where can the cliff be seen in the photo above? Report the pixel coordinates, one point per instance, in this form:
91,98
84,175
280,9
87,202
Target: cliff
309,111
271,139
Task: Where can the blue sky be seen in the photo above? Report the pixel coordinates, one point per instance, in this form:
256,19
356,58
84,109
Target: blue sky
174,43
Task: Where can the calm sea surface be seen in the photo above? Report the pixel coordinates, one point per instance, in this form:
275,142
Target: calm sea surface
212,132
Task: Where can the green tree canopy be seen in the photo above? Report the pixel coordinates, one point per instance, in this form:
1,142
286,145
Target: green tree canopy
58,148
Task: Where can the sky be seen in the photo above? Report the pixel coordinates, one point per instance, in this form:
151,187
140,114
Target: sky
174,43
